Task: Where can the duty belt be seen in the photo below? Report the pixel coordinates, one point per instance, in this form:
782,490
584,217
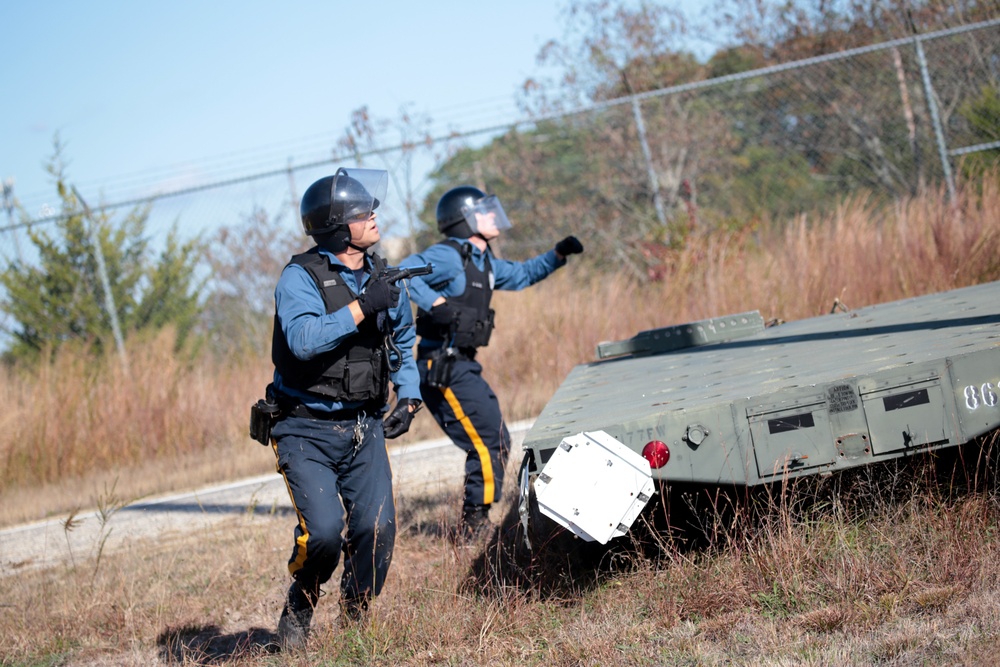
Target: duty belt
462,353
349,414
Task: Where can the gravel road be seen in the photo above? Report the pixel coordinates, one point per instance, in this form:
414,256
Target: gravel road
422,468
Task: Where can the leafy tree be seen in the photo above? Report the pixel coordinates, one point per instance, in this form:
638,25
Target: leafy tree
983,116
245,261
410,132
59,298
609,47
787,30
587,174
761,184
868,125
561,178
732,154
734,60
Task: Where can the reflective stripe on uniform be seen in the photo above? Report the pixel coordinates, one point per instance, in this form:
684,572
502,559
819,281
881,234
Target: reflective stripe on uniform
489,487
302,540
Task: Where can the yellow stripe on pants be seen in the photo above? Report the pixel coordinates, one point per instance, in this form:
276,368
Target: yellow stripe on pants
477,442
303,539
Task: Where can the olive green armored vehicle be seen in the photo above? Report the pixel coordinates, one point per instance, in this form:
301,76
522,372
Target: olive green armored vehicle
731,402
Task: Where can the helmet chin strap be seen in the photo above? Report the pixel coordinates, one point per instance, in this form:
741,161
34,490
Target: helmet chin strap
349,244
331,242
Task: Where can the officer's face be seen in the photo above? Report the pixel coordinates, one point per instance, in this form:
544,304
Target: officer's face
365,233
486,225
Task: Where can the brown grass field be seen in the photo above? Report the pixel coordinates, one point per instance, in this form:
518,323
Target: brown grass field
898,570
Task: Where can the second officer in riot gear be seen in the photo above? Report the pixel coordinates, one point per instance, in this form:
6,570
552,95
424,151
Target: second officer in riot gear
454,319
338,324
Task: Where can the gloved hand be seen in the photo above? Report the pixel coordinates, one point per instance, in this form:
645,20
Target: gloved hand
381,294
398,421
569,246
442,314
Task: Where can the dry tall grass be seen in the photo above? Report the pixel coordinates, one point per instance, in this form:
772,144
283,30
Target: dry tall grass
863,254
170,422
880,582
854,580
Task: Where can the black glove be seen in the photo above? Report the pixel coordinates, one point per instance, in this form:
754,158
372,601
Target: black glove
569,246
442,315
398,421
381,294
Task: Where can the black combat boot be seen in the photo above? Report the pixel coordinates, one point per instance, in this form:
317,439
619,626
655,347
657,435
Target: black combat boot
353,611
293,627
475,521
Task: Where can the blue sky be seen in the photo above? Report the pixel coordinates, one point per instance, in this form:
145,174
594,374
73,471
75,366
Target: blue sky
160,92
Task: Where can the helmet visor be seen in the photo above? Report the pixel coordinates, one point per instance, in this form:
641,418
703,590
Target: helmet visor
356,193
485,214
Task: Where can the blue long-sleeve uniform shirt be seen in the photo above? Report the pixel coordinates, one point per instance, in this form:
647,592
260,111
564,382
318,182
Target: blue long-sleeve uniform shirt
310,331
448,277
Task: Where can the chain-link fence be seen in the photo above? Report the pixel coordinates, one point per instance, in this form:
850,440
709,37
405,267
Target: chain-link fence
890,118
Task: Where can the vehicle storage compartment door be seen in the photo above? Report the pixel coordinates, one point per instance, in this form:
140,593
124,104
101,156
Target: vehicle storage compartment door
906,416
787,439
594,485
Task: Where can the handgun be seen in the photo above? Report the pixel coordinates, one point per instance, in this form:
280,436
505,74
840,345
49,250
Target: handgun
395,274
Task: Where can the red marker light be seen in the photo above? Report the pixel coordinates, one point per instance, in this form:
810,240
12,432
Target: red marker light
656,453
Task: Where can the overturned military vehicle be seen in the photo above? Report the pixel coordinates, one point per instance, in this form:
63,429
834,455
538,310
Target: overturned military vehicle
732,402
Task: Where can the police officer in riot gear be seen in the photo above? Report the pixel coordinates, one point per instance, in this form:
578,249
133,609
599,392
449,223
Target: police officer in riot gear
334,318
454,319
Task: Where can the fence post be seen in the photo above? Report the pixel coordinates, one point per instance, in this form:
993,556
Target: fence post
296,216
8,204
654,182
935,119
109,299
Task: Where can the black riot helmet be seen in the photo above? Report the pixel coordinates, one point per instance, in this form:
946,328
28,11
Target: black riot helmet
450,215
461,211
332,202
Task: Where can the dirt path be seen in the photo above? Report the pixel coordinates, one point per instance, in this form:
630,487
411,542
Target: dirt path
422,468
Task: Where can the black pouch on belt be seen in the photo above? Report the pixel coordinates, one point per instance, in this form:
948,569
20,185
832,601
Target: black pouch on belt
263,414
442,362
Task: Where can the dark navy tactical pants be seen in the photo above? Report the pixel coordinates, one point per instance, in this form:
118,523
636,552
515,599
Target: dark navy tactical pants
334,484
469,413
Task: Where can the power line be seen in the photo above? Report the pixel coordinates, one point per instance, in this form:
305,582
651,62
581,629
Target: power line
301,149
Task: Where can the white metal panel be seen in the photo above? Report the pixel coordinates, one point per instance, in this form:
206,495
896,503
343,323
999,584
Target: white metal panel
594,485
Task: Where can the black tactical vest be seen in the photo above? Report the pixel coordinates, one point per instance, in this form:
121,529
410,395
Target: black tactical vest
474,321
358,368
